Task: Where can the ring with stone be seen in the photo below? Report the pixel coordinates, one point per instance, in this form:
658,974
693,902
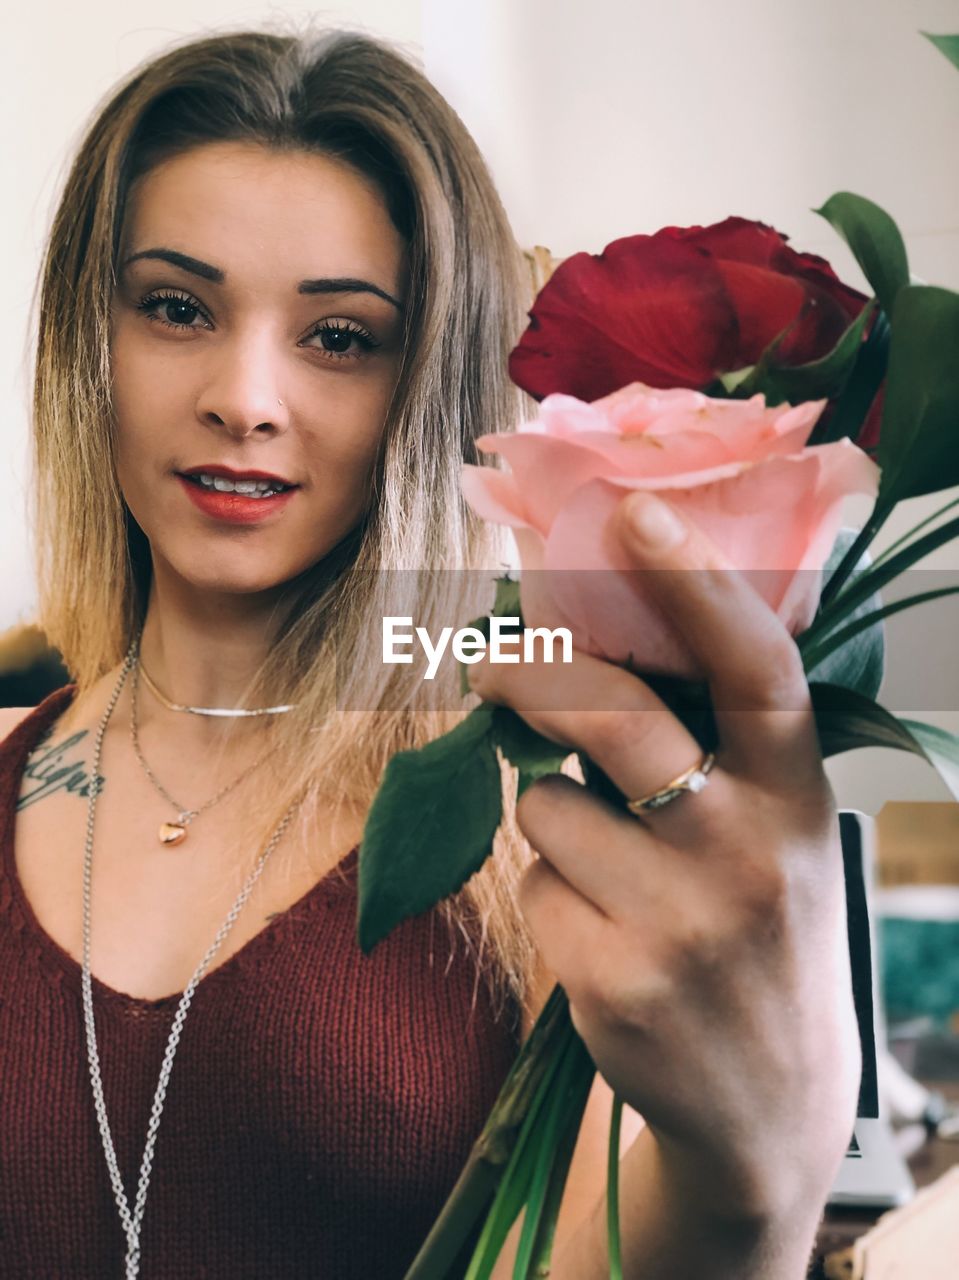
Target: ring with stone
693,779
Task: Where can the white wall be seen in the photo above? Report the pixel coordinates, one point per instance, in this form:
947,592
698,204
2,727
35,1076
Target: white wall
599,120
612,117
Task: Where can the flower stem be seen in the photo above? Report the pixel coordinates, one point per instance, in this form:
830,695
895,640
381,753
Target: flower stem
533,1149
612,1193
488,1161
557,1144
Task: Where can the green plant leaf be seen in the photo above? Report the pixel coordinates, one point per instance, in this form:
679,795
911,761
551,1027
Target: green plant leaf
877,575
919,434
875,241
846,721
481,624
817,653
528,751
505,605
858,664
949,45
941,747
817,380
859,391
430,827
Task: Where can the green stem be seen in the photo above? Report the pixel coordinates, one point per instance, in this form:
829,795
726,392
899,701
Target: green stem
814,653
491,1153
542,1211
612,1194
514,1188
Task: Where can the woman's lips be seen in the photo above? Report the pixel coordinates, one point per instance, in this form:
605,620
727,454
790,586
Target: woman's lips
234,508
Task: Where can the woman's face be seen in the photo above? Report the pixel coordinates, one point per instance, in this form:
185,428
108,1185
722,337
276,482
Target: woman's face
257,337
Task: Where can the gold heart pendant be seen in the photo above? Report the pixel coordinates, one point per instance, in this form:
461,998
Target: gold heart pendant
172,833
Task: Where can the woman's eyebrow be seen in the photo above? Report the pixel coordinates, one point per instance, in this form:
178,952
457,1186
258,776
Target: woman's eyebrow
193,265
325,284
346,284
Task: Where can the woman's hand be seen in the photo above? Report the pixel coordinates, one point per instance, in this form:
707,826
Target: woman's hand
703,947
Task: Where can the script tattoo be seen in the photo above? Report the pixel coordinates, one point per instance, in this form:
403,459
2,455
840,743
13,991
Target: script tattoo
49,766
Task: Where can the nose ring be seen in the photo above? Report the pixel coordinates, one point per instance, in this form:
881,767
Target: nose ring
280,403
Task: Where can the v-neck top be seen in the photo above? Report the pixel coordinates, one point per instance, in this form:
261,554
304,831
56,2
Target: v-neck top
321,1104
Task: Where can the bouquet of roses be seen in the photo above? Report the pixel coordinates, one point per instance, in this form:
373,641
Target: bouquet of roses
753,390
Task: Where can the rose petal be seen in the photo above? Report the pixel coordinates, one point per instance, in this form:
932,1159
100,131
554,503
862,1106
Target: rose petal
592,580
647,308
493,495
546,470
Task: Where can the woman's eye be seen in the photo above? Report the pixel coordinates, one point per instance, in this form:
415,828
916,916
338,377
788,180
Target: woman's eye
340,340
175,310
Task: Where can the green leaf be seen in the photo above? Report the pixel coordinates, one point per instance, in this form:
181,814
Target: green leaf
875,241
846,721
481,624
949,45
876,576
817,380
528,751
859,663
506,604
941,747
430,827
817,653
919,434
859,391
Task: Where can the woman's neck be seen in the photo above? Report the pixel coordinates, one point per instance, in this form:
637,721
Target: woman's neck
203,649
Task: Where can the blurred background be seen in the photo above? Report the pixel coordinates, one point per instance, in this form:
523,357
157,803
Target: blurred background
598,120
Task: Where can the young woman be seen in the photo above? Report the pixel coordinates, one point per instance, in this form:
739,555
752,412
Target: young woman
275,313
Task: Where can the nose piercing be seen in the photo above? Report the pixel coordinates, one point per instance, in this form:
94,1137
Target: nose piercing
280,403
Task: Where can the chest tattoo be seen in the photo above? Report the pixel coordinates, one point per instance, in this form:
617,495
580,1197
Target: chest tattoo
53,767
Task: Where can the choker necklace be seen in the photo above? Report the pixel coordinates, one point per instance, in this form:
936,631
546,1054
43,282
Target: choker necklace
209,711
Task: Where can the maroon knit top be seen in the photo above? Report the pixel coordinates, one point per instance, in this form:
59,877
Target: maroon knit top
321,1106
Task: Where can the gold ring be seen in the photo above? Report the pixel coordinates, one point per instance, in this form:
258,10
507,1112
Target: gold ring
693,779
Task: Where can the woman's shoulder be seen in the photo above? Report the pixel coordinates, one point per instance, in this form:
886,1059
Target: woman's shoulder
13,719
10,717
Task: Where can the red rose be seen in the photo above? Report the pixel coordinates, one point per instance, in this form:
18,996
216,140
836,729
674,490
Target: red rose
679,308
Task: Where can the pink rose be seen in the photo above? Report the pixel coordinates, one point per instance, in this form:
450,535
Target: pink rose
738,470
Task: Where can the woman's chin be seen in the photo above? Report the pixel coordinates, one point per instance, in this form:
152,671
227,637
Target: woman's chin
248,581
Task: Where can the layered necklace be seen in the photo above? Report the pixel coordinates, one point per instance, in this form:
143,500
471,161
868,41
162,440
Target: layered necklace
175,832
132,1219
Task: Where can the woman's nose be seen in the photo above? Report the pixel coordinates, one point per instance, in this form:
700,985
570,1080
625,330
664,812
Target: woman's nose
243,393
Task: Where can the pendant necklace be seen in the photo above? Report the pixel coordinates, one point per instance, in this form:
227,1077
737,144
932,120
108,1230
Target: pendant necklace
173,833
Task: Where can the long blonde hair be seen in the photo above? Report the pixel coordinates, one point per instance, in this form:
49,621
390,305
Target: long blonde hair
352,96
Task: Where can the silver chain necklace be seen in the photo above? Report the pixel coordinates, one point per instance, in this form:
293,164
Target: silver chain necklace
132,1222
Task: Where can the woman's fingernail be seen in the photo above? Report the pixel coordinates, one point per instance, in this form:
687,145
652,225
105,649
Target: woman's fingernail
654,522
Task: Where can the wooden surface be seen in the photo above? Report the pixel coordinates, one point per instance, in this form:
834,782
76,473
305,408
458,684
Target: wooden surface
840,1227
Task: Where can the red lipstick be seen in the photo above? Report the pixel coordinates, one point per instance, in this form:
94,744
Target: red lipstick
265,497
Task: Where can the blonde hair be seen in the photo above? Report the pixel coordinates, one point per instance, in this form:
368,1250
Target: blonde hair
355,97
